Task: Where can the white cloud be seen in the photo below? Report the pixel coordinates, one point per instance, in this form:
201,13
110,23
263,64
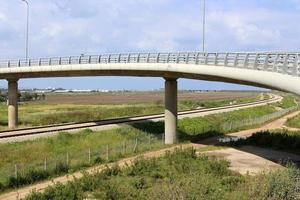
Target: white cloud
62,27
2,17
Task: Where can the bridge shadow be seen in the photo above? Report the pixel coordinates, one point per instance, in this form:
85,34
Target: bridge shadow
158,128
281,148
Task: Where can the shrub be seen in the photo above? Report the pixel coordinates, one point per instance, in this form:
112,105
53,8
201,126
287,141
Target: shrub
282,140
61,168
99,160
28,177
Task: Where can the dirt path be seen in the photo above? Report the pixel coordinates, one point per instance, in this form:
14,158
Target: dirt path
243,160
23,192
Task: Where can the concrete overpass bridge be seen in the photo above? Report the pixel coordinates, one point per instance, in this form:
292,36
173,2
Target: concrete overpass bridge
278,71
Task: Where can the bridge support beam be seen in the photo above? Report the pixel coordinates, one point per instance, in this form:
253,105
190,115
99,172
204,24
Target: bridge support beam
12,103
170,111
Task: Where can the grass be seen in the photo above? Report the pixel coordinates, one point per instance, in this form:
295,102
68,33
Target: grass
37,114
293,122
193,129
178,175
104,146
31,154
287,102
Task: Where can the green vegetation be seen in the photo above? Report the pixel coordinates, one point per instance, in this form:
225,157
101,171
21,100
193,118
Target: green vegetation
57,150
26,96
178,175
31,154
280,140
287,102
193,129
293,122
39,113
186,105
70,152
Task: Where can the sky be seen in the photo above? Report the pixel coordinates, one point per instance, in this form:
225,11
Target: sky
74,27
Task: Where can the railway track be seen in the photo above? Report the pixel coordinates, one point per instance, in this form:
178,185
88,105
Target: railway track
35,131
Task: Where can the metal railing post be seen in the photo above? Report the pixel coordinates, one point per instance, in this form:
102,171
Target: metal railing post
236,60
226,59
275,65
266,62
197,59
295,73
148,57
138,58
255,65
246,60
128,58
206,58
187,58
178,57
168,58
216,59
285,64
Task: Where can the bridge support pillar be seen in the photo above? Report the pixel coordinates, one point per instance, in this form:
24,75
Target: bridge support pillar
170,111
12,103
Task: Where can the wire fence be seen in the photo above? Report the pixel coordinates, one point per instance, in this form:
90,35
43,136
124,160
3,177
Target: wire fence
72,161
86,157
235,125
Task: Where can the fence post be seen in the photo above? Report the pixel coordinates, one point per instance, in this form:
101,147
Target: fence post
124,147
16,171
149,142
163,139
135,146
45,164
89,155
67,158
107,152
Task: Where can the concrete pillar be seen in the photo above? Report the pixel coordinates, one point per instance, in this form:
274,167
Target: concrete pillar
12,103
170,111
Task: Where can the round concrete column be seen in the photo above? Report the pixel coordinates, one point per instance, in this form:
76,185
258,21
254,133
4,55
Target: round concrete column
170,111
12,104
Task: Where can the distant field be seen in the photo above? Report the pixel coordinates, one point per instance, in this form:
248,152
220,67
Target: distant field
139,97
63,108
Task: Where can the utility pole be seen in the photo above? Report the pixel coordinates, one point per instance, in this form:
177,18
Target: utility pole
27,28
203,28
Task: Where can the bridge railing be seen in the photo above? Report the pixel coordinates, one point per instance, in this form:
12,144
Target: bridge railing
285,63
